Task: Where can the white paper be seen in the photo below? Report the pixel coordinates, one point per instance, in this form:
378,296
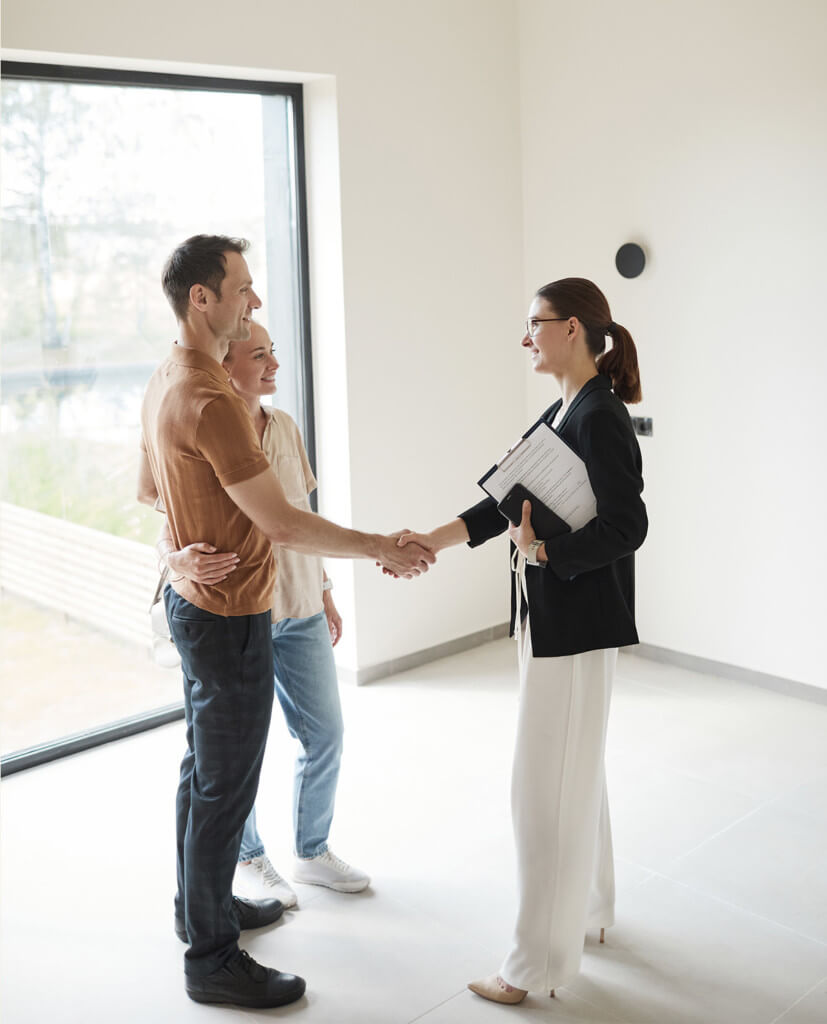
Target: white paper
544,463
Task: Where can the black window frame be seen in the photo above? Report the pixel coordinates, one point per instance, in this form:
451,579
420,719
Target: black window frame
65,746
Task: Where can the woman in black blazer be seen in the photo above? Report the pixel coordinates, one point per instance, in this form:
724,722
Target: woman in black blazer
576,594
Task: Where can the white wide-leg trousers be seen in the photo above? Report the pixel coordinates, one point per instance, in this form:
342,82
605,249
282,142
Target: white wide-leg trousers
560,814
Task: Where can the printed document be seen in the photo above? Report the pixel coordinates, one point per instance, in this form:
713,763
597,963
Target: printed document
543,462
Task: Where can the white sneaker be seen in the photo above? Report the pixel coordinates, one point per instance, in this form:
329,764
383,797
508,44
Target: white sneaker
260,880
329,870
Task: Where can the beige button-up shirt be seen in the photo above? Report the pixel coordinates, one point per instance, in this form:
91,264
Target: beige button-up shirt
298,590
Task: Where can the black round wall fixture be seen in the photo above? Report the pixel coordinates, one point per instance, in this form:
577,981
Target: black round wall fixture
630,260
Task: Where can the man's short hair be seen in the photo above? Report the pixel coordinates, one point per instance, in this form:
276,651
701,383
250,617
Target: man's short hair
199,260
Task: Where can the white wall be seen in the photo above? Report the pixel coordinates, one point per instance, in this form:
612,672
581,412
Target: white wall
698,129
486,147
416,266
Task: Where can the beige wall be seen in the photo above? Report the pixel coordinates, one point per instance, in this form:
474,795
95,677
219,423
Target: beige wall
487,146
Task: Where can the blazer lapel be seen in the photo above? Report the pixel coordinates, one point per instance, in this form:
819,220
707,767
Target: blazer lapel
599,382
551,412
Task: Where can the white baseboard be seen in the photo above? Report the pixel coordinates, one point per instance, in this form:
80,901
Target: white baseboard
389,668
789,687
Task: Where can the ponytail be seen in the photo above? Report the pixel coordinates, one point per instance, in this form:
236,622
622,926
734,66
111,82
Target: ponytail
575,296
620,365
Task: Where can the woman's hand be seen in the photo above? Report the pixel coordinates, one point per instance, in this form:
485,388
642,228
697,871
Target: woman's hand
523,534
334,619
453,532
201,563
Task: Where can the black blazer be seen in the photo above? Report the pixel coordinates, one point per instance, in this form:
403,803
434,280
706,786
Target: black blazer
584,599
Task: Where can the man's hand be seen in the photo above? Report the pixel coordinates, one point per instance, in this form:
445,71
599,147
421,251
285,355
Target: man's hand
334,619
408,561
453,532
523,534
424,540
404,537
201,563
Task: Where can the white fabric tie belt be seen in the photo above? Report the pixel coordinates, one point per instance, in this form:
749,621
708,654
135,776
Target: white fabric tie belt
518,567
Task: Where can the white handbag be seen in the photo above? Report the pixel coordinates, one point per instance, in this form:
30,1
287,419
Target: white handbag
164,651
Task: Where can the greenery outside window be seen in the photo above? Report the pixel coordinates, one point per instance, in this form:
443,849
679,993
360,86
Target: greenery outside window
103,173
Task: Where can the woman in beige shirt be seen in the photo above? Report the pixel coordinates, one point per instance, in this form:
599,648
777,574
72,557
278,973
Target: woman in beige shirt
305,628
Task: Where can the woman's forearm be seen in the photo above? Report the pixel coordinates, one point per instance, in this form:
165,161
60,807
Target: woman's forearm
449,534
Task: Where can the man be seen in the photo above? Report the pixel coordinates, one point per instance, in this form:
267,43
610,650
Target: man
305,627
203,465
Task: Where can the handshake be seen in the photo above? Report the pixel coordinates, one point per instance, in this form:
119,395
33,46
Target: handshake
405,554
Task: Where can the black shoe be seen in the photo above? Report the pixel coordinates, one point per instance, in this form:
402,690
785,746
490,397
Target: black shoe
250,914
243,982
256,913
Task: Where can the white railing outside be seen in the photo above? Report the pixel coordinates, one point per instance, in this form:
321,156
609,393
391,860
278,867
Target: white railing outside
102,580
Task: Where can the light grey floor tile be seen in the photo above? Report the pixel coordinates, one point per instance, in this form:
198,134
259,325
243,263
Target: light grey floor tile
565,1008
746,739
473,900
809,798
629,875
84,970
687,811
678,956
771,863
662,675
810,1009
368,959
716,784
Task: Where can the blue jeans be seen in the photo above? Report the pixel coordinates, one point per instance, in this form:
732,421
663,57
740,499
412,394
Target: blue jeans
308,691
228,697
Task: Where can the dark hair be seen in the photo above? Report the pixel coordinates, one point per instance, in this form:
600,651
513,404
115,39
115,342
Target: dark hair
199,260
575,296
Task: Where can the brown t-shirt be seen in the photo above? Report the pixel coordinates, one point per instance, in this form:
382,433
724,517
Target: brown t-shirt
199,438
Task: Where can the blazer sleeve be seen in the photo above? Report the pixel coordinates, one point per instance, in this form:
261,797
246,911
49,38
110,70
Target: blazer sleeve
483,522
612,456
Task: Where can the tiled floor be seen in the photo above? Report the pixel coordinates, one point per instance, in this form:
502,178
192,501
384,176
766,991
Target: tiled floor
719,800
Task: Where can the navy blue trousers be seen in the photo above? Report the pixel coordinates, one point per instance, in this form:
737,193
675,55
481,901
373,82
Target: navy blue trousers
228,697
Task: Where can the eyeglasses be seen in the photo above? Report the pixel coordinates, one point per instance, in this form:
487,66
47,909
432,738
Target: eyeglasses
533,324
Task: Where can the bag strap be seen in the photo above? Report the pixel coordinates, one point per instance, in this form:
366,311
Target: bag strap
160,588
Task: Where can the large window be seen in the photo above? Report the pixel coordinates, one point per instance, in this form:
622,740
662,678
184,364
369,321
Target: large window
103,173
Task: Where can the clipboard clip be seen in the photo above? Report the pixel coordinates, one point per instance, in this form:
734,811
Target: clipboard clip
511,451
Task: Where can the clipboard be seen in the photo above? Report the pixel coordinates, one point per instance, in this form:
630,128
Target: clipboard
512,451
553,474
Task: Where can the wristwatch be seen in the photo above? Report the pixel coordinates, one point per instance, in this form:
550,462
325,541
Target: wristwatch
531,557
